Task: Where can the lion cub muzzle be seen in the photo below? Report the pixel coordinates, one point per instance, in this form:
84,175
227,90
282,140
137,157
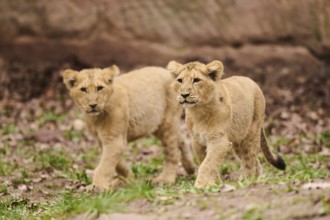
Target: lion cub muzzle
93,110
93,106
186,99
185,95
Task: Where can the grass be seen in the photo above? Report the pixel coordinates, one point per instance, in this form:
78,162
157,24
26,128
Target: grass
69,203
72,203
54,159
324,138
8,129
6,168
66,203
50,116
299,168
15,208
72,135
254,213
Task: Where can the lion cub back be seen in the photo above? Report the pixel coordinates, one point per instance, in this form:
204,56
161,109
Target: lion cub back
248,104
148,91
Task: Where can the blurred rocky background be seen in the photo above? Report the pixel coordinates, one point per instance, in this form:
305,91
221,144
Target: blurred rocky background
283,45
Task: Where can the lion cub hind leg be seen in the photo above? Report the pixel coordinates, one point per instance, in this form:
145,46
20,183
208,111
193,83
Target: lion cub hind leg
171,152
208,173
247,151
168,134
123,169
187,158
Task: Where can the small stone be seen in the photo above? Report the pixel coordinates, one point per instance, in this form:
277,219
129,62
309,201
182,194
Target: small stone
23,188
228,188
78,125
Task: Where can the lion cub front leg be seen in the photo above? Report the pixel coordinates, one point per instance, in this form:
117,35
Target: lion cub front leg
111,154
208,172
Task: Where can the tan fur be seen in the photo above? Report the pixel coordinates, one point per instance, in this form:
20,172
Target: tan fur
128,107
221,115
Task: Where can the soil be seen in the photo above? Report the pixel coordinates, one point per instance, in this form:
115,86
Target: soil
255,202
297,110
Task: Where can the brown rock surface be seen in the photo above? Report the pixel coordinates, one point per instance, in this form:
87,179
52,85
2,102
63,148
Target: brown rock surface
40,37
147,32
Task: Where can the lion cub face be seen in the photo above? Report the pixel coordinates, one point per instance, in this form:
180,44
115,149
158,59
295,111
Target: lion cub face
195,81
90,88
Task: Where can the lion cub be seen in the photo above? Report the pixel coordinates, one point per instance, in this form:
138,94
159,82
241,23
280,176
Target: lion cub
221,115
121,109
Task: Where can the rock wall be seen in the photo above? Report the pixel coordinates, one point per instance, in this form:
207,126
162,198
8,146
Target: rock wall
148,32
289,41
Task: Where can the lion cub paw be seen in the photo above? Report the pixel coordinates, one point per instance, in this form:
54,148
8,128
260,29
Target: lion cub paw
114,185
95,188
91,188
119,183
164,179
206,183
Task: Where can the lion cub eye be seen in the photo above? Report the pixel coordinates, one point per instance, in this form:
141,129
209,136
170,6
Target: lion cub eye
83,89
196,80
179,80
99,88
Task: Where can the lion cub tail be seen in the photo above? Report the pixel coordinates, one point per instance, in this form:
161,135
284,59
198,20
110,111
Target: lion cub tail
273,159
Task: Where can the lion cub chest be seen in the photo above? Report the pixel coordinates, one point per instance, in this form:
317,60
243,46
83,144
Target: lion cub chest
200,138
201,135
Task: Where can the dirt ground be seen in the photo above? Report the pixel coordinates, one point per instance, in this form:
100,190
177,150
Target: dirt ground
255,202
32,177
44,150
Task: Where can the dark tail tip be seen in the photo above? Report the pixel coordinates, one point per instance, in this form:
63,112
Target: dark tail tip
280,164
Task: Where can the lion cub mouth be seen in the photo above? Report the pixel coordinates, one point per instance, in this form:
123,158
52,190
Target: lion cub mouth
185,102
93,112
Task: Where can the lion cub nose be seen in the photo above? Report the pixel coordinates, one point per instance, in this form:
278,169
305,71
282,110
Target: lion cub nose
185,95
93,105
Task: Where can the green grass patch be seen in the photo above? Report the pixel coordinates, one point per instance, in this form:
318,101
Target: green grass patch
324,138
81,176
8,129
143,170
14,208
151,141
19,208
50,116
326,203
301,167
255,213
71,203
72,135
3,189
7,167
53,159
66,203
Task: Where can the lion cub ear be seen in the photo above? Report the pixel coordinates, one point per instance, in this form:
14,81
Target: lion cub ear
111,72
215,70
173,67
69,78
